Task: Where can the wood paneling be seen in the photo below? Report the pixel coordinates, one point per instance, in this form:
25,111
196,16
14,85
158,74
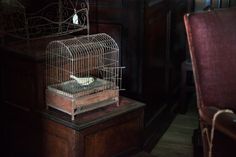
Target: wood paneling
58,140
98,143
142,32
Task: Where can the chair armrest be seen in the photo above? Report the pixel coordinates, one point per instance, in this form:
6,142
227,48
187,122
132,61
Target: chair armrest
225,122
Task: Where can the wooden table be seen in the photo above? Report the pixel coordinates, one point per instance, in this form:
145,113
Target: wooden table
104,132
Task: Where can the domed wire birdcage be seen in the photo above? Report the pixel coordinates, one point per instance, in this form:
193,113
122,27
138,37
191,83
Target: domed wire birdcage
82,73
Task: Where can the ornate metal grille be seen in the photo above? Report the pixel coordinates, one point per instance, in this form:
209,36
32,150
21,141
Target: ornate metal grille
55,19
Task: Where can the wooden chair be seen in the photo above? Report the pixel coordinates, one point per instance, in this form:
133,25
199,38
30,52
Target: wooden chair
212,43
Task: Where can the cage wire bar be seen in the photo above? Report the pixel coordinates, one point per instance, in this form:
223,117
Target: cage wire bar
84,70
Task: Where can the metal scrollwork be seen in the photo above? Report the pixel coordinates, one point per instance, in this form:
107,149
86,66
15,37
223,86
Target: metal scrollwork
54,19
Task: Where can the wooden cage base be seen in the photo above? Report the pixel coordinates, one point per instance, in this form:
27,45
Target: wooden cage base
74,106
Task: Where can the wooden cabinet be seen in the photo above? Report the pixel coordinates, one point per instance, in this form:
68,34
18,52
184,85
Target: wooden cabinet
141,29
105,132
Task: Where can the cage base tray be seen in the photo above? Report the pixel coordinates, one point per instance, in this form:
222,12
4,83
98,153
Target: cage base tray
78,105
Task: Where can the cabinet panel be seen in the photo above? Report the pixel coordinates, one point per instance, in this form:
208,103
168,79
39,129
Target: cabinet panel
58,140
113,140
155,60
56,147
155,72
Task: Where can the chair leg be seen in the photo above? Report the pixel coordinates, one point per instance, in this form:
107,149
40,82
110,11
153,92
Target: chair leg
197,143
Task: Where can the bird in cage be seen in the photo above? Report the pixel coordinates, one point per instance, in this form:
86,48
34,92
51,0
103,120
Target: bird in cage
83,81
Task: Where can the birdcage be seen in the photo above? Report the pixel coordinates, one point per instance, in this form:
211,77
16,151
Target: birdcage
82,73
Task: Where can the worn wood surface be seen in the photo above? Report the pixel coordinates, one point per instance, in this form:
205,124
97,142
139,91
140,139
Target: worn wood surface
106,132
177,140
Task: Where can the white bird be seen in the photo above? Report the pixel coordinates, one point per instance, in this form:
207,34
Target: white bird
75,18
84,81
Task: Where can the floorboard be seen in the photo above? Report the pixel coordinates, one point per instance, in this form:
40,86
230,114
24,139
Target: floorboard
177,140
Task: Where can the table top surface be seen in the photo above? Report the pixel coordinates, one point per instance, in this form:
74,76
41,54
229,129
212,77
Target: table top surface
93,117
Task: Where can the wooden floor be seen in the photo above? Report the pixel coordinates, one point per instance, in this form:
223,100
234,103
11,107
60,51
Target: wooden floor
177,140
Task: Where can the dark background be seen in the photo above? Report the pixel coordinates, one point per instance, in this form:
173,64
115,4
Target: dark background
152,42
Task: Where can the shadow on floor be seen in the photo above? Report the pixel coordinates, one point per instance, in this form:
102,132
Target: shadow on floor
177,140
